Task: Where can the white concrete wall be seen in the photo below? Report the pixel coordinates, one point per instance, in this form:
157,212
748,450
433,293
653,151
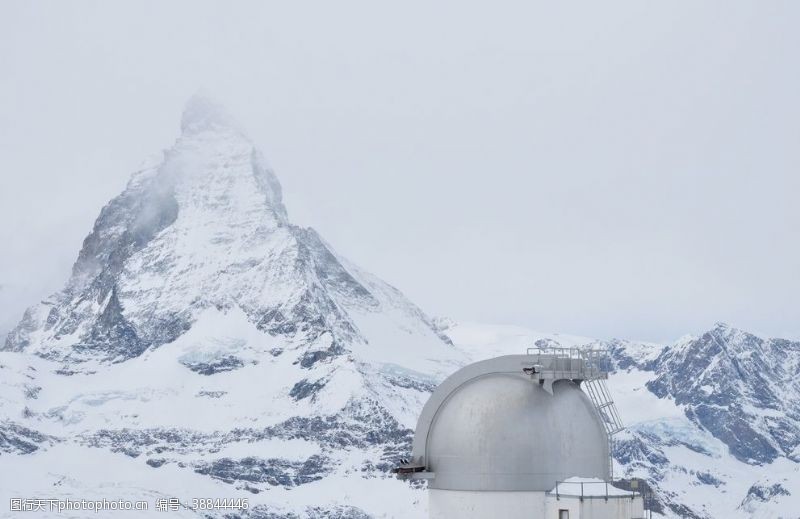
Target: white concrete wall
466,504
461,504
620,508
553,506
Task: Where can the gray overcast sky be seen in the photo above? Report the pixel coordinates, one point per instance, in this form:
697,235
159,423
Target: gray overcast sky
623,169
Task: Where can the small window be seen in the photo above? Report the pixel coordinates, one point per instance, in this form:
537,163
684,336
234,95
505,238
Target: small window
563,514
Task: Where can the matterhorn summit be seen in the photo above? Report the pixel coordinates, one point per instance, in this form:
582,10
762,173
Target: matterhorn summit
205,232
204,113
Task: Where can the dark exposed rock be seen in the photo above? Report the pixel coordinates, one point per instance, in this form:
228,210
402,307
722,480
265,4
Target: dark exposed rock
742,439
764,493
639,450
720,377
134,442
69,372
359,426
212,394
272,471
112,334
684,511
310,358
124,226
546,343
305,389
16,439
156,462
261,512
32,392
335,512
339,512
707,478
423,386
227,363
622,358
329,269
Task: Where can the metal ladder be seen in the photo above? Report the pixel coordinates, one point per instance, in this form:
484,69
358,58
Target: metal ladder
598,393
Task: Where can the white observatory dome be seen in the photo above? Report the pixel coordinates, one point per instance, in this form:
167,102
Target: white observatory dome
492,427
517,437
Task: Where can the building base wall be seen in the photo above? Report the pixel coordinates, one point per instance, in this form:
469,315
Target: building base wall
463,504
466,504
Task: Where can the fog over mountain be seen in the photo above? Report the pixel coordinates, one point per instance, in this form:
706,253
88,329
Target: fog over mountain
610,170
242,242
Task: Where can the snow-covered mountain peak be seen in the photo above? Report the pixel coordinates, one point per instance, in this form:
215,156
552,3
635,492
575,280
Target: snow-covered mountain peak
215,171
205,336
738,386
202,113
729,333
205,227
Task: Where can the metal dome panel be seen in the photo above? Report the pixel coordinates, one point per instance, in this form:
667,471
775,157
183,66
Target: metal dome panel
491,426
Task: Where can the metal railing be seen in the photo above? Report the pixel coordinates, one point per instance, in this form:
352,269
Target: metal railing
600,490
592,490
592,362
601,397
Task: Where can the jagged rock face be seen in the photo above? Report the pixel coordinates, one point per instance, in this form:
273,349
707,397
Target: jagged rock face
203,227
741,388
16,439
728,445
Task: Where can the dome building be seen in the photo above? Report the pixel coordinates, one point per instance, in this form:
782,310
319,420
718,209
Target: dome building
517,436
